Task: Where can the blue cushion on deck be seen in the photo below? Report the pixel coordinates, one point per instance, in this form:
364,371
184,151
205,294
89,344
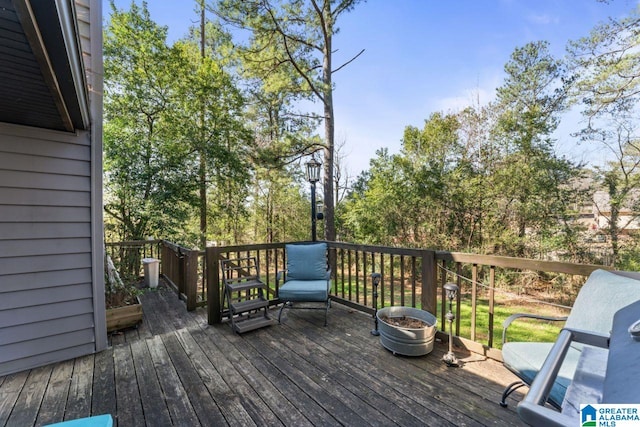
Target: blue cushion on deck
600,297
305,290
526,358
306,261
97,421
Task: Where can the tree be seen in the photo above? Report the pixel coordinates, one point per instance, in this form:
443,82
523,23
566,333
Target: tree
529,173
210,119
607,66
146,177
302,31
607,69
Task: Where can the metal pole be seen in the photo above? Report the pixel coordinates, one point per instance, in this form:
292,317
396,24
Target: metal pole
313,212
375,277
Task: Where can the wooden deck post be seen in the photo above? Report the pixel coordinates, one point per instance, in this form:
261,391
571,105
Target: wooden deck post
190,285
213,285
429,297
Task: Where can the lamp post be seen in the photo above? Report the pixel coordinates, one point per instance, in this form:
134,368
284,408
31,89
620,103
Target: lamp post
313,176
451,290
375,278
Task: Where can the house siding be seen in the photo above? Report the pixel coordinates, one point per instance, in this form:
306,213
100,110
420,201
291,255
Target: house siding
47,309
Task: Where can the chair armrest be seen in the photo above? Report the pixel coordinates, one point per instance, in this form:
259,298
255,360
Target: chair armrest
279,277
536,415
515,316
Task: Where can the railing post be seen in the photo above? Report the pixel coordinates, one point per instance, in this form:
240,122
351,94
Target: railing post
190,285
429,282
213,285
181,262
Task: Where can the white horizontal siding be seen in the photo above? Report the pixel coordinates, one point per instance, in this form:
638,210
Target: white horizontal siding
46,290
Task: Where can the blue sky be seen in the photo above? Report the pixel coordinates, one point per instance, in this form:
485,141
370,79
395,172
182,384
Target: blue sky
423,56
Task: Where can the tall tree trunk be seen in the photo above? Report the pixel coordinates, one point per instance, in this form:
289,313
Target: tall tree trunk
202,172
329,215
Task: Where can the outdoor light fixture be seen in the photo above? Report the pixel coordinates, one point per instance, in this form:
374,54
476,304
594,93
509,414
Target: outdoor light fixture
375,277
313,170
451,290
313,176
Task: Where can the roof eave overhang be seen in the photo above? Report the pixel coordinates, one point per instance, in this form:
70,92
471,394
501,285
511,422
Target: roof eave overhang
59,56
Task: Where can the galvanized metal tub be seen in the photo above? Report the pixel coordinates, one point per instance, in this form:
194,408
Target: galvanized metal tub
407,341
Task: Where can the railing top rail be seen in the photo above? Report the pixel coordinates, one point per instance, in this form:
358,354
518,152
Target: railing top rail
337,245
375,248
134,243
520,263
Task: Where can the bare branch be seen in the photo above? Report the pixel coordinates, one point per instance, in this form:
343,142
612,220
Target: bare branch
348,62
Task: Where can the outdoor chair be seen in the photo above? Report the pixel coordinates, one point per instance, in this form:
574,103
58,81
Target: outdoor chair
602,295
307,278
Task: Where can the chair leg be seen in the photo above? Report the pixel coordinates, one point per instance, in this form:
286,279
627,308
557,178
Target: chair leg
280,313
510,389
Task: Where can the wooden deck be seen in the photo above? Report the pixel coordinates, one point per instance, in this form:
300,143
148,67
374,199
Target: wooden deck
176,370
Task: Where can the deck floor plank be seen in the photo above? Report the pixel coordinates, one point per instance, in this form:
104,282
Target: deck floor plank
243,379
128,401
104,391
79,396
151,397
428,388
11,388
312,385
329,380
55,398
28,404
204,406
362,383
175,369
258,381
408,388
180,409
227,399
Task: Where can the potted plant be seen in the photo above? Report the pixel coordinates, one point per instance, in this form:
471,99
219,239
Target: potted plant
124,308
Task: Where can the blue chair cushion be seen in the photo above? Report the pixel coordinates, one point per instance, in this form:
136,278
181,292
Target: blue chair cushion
306,261
601,296
526,358
304,290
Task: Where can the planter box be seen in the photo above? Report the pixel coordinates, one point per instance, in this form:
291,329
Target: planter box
407,341
124,317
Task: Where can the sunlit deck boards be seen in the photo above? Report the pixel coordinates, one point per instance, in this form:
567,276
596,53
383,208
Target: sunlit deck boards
177,370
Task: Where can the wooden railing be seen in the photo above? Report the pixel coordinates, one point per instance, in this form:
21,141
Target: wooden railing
127,256
410,277
476,274
184,270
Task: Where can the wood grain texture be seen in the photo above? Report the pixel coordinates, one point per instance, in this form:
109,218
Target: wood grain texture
175,369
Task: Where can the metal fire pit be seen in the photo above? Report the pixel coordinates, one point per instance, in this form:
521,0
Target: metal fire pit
407,341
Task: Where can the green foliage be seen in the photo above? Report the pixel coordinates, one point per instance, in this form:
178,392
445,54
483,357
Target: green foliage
607,69
145,173
483,180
